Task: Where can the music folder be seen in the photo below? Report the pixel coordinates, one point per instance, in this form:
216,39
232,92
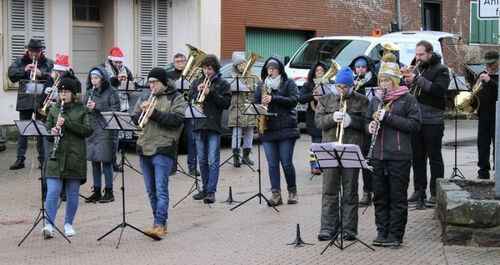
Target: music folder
325,89
333,155
256,109
32,128
237,84
182,84
115,120
193,112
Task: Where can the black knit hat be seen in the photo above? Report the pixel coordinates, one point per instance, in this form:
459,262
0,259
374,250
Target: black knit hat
67,84
160,74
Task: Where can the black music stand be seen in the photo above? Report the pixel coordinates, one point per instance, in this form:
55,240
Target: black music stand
456,172
334,155
37,128
120,121
192,112
238,86
256,110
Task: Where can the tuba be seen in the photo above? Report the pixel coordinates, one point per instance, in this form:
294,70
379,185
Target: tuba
332,71
254,57
201,95
389,47
262,118
464,99
192,68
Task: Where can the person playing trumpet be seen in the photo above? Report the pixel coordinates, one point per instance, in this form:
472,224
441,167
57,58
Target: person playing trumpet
213,93
162,110
328,118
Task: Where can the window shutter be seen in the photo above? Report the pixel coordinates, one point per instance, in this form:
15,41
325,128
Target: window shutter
161,33
37,20
17,28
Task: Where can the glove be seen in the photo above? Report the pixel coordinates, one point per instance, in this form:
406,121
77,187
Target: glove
347,120
54,96
48,90
337,116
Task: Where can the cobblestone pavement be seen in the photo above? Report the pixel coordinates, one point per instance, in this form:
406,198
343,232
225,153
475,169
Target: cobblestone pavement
198,234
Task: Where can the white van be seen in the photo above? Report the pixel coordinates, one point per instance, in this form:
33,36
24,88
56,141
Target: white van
343,49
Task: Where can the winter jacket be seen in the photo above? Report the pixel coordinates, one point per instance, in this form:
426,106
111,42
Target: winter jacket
400,120
113,73
70,155
356,108
487,96
163,129
238,101
429,88
369,79
101,145
16,73
174,74
306,96
284,100
218,99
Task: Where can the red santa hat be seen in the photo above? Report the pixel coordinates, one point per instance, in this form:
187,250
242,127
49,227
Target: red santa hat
62,62
115,54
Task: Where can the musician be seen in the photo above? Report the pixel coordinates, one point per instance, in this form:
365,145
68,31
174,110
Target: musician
21,69
485,102
179,65
428,83
207,131
307,95
242,124
328,117
63,69
365,77
399,116
101,96
157,146
281,95
70,165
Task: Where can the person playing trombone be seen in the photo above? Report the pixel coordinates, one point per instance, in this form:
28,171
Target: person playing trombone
340,117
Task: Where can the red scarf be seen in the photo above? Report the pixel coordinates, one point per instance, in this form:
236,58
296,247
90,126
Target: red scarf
392,94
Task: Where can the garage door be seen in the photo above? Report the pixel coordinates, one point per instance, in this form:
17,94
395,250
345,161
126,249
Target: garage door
269,41
87,51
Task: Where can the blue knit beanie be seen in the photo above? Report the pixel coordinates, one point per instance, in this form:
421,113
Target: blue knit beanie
96,72
345,76
360,62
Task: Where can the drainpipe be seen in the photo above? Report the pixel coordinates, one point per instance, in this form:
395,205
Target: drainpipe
398,7
497,151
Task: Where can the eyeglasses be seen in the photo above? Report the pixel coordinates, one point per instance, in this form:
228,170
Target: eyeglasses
179,61
153,82
64,91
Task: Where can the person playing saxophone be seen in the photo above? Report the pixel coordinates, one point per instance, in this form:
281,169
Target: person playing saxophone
398,117
329,116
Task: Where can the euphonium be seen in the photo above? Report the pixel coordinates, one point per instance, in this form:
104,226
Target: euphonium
262,118
53,156
201,95
143,119
46,103
254,57
464,99
332,71
340,126
192,68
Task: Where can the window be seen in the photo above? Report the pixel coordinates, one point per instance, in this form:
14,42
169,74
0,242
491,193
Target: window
431,15
86,10
482,31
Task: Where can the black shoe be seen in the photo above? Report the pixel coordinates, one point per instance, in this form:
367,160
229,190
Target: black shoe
397,244
173,172
379,239
414,198
96,195
432,201
388,241
117,168
210,198
18,164
246,157
40,164
483,176
108,196
349,236
194,172
236,157
325,235
200,195
366,200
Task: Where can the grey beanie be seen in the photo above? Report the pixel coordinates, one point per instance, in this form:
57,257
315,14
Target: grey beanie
238,57
273,63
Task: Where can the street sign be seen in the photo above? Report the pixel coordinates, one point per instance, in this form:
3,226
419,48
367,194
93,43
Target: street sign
488,9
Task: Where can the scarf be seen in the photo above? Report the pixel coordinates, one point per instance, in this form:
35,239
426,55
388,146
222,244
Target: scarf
110,69
273,83
392,94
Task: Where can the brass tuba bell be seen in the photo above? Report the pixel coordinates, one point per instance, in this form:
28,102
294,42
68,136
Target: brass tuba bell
463,100
332,71
192,68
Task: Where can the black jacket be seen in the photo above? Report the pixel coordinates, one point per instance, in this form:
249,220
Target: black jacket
16,73
366,82
429,88
487,96
217,100
174,74
306,96
284,100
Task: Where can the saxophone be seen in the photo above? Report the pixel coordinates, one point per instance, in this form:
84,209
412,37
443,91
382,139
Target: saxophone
262,118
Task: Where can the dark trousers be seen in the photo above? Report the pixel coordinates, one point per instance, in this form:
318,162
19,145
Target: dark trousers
485,136
22,141
427,144
367,174
330,200
390,186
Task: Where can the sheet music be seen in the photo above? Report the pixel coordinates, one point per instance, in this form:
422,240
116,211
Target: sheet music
242,86
123,86
350,155
27,128
194,112
254,109
123,121
370,92
325,89
178,84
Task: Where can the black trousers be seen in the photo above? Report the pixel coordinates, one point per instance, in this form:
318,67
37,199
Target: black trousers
367,174
485,136
390,188
427,144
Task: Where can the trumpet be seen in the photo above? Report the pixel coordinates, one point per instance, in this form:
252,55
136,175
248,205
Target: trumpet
359,81
59,131
201,95
143,119
46,103
340,126
33,70
410,69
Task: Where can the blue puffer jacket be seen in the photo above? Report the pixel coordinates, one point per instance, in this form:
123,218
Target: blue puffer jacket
284,100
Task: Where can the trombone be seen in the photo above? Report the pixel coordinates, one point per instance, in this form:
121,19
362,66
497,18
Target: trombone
46,103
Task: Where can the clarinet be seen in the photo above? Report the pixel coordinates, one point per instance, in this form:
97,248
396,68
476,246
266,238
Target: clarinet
59,131
90,96
377,128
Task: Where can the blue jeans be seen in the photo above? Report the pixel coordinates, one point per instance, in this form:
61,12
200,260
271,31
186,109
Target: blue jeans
208,148
191,158
156,170
276,152
54,187
97,173
247,140
22,141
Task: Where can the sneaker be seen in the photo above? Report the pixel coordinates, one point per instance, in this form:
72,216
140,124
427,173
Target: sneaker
68,230
293,198
414,198
379,239
18,164
325,235
210,198
388,241
108,196
48,231
194,172
366,200
432,201
200,195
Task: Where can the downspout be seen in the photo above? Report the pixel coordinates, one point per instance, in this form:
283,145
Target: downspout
398,7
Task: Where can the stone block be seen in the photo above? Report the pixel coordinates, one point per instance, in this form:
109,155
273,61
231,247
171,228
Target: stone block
484,213
487,237
458,212
457,235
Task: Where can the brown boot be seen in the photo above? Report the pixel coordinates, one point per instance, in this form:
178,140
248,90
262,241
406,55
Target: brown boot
159,232
293,198
149,231
276,198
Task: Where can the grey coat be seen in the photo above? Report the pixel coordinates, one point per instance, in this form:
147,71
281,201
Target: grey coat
237,107
101,145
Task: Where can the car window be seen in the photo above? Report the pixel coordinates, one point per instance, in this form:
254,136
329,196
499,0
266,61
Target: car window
343,51
375,53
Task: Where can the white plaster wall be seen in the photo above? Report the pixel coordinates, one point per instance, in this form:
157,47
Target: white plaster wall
124,31
7,98
210,26
59,29
184,26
